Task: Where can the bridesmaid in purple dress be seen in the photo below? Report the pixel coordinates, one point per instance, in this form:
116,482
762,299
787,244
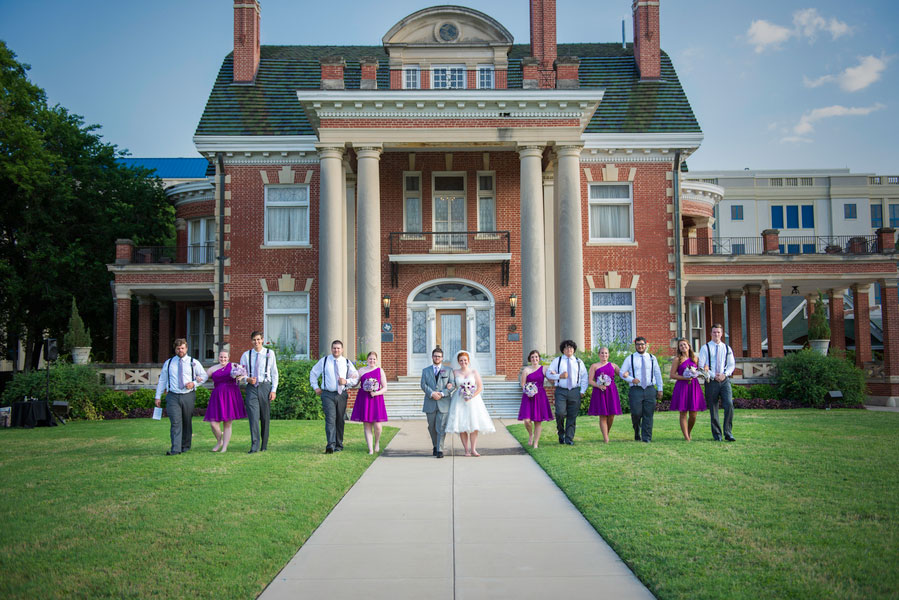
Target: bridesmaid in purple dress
604,401
369,406
687,397
225,402
534,410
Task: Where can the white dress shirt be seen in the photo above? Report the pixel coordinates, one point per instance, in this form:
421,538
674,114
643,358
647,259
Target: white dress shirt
330,369
718,357
577,373
191,370
261,365
644,367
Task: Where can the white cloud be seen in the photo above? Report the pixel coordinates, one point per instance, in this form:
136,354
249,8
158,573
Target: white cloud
805,126
807,24
764,35
853,79
795,139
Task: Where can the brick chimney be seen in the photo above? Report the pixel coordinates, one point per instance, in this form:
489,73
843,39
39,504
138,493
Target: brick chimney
646,38
332,72
369,67
567,68
246,40
543,39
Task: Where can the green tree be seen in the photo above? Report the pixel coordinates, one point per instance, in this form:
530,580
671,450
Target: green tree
65,199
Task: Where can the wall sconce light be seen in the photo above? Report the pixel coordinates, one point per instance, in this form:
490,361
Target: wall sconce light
386,302
513,302
795,291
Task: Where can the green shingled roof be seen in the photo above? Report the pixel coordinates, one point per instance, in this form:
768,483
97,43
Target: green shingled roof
270,106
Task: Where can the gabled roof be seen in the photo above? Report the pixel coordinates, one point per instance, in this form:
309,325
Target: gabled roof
171,168
270,106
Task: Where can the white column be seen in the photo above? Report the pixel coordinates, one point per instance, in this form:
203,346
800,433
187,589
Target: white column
533,265
368,250
350,279
330,251
570,256
549,249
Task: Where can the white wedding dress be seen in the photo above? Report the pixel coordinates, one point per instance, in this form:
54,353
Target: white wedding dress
465,417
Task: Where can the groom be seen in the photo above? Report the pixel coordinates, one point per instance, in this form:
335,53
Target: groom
437,384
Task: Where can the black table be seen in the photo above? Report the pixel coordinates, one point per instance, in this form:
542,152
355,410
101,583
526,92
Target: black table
36,413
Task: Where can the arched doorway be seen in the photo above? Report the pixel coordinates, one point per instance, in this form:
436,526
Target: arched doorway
454,314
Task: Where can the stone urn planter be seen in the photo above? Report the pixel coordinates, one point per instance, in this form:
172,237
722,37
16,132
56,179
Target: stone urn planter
81,355
819,346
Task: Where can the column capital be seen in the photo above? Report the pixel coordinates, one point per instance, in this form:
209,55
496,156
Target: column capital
718,299
533,150
368,150
888,283
180,224
774,284
122,293
734,294
330,151
862,288
752,288
569,150
838,292
145,300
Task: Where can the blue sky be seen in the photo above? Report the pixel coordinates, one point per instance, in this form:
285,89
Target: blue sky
775,84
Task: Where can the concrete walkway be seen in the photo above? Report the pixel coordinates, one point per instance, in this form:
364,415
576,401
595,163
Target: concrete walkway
417,527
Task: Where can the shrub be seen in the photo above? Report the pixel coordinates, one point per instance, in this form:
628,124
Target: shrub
203,394
806,377
295,398
818,327
77,336
763,391
144,398
112,401
741,392
79,385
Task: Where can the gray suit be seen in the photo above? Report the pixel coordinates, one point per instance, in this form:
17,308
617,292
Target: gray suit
437,410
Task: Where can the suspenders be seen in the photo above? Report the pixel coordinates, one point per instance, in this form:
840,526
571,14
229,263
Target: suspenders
265,369
727,352
577,362
652,375
168,368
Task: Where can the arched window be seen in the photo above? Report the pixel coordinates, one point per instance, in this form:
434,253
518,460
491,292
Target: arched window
451,292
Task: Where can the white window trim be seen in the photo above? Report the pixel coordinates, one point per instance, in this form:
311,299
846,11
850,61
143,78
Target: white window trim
492,77
411,235
266,312
411,68
191,315
308,204
448,67
613,309
206,243
616,201
486,194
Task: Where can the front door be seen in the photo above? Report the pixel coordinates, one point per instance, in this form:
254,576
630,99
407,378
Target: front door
450,333
449,215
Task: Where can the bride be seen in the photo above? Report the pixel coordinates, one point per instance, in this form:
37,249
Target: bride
467,413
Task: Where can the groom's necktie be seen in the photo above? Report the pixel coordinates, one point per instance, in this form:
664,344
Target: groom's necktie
436,372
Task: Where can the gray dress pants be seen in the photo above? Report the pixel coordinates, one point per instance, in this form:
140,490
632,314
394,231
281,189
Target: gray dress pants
715,390
259,413
180,409
568,404
643,406
334,407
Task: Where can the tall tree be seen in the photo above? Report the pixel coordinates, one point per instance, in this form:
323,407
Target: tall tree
65,199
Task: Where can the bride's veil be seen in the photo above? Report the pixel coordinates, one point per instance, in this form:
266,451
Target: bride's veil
472,363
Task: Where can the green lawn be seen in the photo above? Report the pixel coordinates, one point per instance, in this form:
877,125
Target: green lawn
804,505
95,509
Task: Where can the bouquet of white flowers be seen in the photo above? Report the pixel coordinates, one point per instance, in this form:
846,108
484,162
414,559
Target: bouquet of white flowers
238,371
694,373
604,380
530,389
371,385
468,388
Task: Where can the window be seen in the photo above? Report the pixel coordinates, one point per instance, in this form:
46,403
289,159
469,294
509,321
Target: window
411,77
893,180
412,202
448,77
738,249
876,216
850,211
485,77
894,215
776,182
736,212
612,317
200,341
611,215
808,216
486,202
875,181
806,181
286,214
792,217
777,217
287,321
711,180
808,248
200,241
791,182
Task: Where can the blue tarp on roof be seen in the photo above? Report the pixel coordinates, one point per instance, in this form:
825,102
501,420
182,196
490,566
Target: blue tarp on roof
171,168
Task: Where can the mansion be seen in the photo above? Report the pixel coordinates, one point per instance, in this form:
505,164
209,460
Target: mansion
451,187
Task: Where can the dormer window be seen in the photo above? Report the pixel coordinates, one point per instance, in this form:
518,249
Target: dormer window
411,77
485,77
448,77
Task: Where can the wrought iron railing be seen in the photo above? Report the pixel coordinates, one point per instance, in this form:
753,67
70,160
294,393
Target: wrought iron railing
462,242
732,246
789,244
155,255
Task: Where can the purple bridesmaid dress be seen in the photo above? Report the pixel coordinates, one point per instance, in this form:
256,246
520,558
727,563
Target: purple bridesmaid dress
225,402
536,408
606,402
687,395
369,409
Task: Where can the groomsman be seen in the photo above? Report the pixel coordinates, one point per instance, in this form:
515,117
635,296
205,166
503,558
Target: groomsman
437,384
641,370
717,359
337,374
570,375
262,384
180,376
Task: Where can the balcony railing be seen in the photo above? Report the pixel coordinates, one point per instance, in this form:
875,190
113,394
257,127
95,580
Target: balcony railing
161,255
460,242
788,245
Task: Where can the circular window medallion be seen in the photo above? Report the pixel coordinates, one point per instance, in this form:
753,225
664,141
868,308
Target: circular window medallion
448,32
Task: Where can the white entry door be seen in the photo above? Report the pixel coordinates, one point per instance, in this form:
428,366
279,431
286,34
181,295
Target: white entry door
450,333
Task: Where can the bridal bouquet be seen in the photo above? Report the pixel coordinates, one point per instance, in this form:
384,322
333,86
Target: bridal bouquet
371,385
694,373
604,380
238,371
530,389
468,388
